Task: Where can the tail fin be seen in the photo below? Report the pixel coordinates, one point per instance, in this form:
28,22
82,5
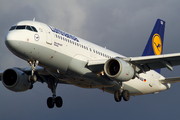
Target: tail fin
154,45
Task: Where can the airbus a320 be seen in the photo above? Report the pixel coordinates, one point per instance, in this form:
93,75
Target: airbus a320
57,57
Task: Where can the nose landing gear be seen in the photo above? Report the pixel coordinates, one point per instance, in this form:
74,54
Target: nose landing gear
33,77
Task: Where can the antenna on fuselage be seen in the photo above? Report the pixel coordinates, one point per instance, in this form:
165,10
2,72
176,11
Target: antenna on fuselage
33,19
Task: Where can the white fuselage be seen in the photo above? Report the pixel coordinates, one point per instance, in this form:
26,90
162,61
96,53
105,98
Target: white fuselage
55,50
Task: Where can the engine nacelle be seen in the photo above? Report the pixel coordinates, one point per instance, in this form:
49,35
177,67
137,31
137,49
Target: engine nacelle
15,80
118,69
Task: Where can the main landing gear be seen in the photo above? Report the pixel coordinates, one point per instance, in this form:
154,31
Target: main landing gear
118,95
51,101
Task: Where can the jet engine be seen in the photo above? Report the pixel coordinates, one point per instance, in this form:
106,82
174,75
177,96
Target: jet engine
119,70
15,80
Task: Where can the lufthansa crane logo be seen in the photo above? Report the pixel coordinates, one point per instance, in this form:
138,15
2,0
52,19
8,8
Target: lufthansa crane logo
157,44
36,37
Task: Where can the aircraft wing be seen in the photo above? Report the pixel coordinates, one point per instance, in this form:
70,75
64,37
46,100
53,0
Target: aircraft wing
170,80
96,66
146,63
42,73
142,63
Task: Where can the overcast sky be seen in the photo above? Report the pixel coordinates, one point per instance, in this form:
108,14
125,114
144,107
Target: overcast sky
121,26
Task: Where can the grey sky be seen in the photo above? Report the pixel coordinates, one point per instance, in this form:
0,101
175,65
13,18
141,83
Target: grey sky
122,26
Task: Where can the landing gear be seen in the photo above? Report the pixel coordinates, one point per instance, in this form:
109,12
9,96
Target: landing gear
52,84
33,65
33,77
58,101
126,95
51,101
118,95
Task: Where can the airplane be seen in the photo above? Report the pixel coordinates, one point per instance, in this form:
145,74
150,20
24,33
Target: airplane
57,57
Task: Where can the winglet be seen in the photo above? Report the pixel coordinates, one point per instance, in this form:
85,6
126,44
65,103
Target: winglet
154,45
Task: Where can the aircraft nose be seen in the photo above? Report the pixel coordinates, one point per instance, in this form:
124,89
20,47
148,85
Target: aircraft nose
9,36
10,40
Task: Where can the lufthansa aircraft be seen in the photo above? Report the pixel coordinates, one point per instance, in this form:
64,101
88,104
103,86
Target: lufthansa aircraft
57,57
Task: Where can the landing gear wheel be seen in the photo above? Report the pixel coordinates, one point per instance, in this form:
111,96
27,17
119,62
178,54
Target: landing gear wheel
32,78
52,84
31,87
59,101
126,95
50,102
117,96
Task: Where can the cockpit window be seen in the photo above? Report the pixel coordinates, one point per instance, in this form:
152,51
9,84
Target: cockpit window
29,28
21,27
34,29
12,28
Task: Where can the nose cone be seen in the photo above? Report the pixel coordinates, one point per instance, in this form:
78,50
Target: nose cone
11,41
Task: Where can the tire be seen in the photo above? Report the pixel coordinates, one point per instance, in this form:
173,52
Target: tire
50,103
32,79
117,96
31,86
59,102
126,95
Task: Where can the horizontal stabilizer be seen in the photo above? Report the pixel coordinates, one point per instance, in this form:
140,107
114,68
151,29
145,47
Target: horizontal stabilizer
170,80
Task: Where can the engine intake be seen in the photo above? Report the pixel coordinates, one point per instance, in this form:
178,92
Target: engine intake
118,69
15,80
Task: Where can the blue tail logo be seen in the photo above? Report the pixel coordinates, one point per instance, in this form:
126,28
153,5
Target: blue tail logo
154,45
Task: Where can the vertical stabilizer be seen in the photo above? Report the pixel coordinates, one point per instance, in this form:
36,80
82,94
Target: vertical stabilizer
154,45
